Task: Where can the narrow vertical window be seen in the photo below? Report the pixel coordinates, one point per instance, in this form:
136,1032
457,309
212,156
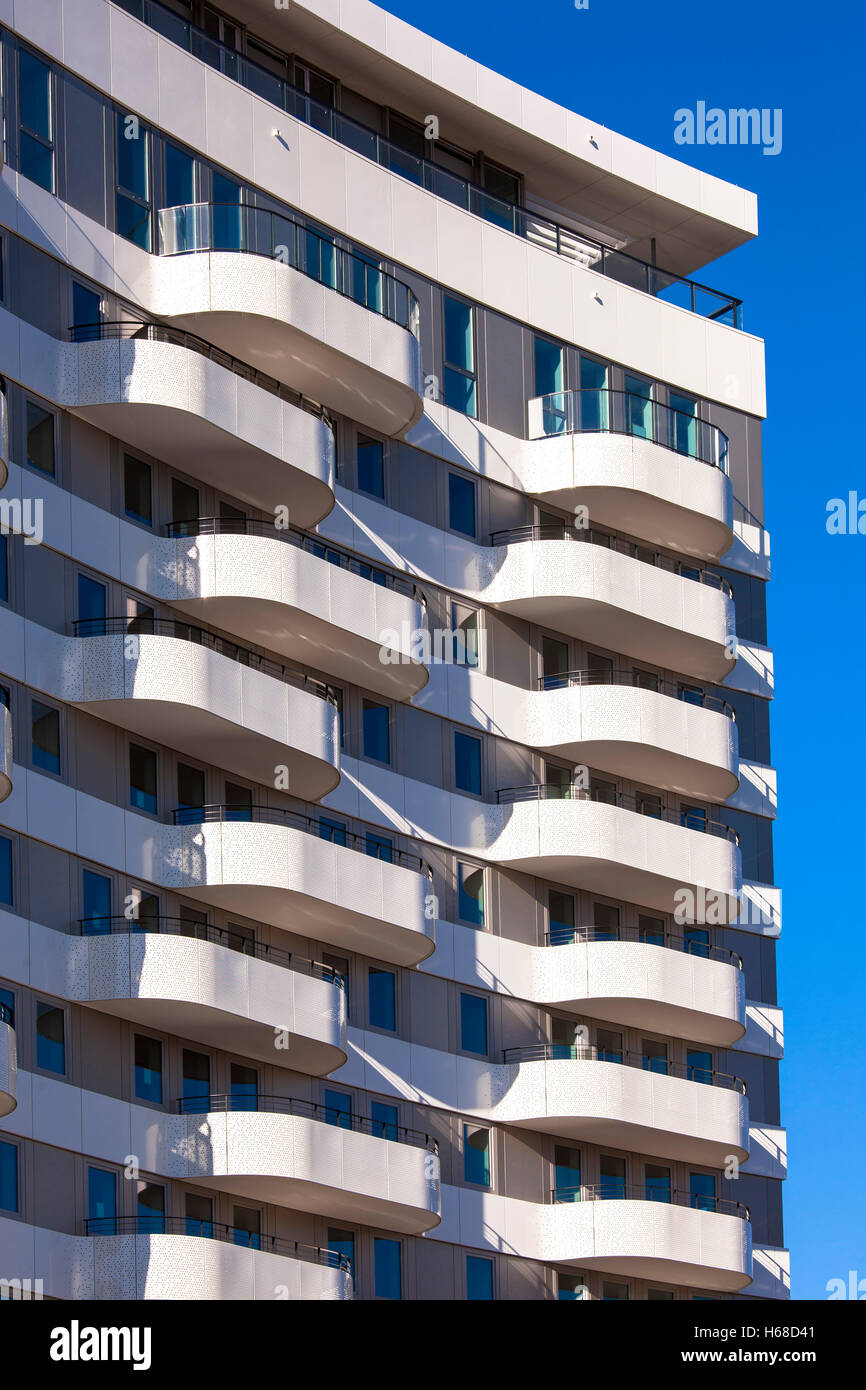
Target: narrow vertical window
45,750
470,894
50,1038
35,120
473,1024
40,439
371,466
137,490
461,504
132,169
476,1155
382,998
460,378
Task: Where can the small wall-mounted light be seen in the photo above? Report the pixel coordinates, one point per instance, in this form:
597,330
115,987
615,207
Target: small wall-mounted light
276,132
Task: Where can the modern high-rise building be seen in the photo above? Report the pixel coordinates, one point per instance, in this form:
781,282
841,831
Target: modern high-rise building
386,845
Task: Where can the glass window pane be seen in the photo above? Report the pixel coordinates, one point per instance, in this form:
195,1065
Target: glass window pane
198,1211
150,1205
91,601
46,737
36,161
8,1177
684,423
593,395
476,1155
548,367
479,1278
247,1224
386,1265
5,871
101,1196
137,489
638,407
612,1174
700,1067
342,1243
338,1109
470,894
86,313
473,1023
376,727
40,438
34,94
467,763
50,1038
4,569
142,778
459,347
332,830
179,177
148,1068
132,221
658,1183
561,913
566,1174
244,1087
95,898
384,1119
461,504
459,392
132,172
382,998
371,466
702,1187
196,1079
190,786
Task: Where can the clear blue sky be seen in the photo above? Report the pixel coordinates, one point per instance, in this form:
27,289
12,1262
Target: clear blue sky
630,66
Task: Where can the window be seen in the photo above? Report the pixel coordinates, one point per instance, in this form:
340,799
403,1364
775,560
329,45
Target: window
132,197
593,395
8,1176
648,804
614,1293
35,120
658,1182
660,1295
646,680
557,782
50,1038
697,941
470,894
137,499
4,568
548,367
86,313
382,998
603,791
479,1278
554,662
566,1041
244,1087
179,177
461,504
700,1067
371,466
566,1174
702,1189
184,501
198,1211
473,1023
148,1068
239,801
600,669
476,1155
247,1224
342,1242
387,1277
464,628
142,778
379,846
609,1045
377,731
227,232
338,1109
459,382
190,787
95,902
560,909
384,1118
45,726
340,965
467,763
651,930
683,424
638,407
91,603
570,1288
612,1174
195,1081
40,438
6,882
332,830
605,919
693,817
150,1207
102,1199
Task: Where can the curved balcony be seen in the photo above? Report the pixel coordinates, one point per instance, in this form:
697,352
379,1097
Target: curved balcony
234,426
179,685
613,592
668,735
618,848
667,1110
140,1257
640,467
304,598
214,987
308,1157
321,319
6,756
8,1062
302,874
679,986
703,1242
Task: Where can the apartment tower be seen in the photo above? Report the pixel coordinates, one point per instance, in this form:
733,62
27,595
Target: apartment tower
386,837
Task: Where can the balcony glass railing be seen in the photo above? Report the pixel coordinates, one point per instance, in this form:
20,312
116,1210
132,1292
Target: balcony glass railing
562,531
602,410
643,680
543,231
620,1191
563,934
661,1066
278,237
693,818
310,1110
159,1225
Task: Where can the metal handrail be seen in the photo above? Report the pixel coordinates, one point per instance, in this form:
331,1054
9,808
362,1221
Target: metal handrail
659,1066
551,791
464,193
704,950
644,554
610,410
135,329
217,936
308,1109
187,632
243,227
304,540
7,1015
215,1230
690,695
324,830
616,1191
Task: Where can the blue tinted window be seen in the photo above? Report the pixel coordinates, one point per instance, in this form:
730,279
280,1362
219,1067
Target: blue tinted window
458,392
36,133
142,778
382,998
371,466
377,732
338,1109
40,438
459,347
332,830
132,201
101,1195
467,763
700,1067
379,846
95,898
5,871
702,1187
8,1177
148,1069
342,1243
150,1206
4,569
50,1038
196,1080
476,1155
384,1118
46,737
479,1277
473,1023
461,504
386,1261
548,367
179,177
470,894
244,1083
86,313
